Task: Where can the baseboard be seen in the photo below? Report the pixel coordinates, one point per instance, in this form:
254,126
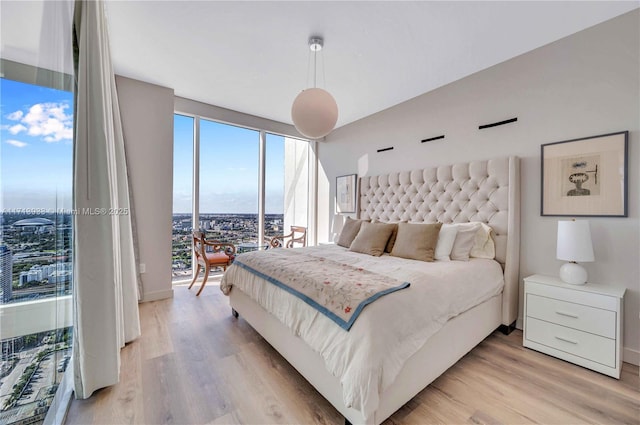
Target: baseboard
631,356
157,295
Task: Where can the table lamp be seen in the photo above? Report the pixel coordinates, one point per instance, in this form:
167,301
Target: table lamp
574,244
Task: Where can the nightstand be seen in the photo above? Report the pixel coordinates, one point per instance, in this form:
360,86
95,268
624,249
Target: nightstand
581,324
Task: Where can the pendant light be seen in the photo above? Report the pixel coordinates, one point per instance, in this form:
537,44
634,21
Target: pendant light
314,111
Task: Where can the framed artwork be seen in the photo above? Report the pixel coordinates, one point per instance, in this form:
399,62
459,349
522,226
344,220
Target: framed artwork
585,177
346,193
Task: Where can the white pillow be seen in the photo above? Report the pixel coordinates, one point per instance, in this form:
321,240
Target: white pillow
483,246
446,238
465,239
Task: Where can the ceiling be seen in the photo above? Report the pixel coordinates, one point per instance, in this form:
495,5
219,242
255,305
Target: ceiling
253,57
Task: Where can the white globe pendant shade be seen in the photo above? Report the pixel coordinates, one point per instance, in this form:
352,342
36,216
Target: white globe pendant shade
314,113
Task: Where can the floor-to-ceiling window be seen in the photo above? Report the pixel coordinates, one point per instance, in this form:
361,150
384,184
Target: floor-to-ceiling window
274,186
286,184
225,160
228,198
36,154
183,138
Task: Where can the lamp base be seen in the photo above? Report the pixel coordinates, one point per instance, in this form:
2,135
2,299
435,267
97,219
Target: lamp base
573,273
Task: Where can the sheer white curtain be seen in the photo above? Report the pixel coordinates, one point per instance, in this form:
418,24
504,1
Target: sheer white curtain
105,278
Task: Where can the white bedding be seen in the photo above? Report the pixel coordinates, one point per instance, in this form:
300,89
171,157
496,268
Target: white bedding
368,358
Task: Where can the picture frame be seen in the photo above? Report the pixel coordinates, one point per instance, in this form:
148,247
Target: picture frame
346,193
585,177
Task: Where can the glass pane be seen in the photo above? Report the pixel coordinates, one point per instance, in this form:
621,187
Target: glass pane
287,184
36,153
229,184
274,186
182,197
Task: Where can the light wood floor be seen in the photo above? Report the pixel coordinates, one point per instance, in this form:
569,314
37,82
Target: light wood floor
195,364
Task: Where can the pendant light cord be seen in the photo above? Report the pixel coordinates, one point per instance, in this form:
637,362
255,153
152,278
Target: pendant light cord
324,78
308,69
314,49
315,67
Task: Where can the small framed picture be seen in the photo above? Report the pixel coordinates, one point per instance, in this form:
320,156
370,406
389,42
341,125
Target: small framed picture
346,193
585,177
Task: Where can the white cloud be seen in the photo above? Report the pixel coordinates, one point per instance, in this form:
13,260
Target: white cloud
17,143
15,129
50,121
15,116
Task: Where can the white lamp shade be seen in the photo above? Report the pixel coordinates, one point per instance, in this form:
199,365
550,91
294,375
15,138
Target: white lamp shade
574,241
314,113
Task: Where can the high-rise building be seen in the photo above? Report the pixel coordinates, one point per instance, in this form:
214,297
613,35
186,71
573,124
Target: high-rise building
60,277
6,273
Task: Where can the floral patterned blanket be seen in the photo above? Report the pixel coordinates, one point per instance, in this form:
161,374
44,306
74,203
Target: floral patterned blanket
339,291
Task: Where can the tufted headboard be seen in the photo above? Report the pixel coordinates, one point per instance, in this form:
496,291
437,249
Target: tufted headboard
486,191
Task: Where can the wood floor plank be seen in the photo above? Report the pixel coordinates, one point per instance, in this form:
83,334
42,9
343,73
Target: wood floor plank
156,336
253,402
167,399
282,379
195,363
564,390
228,419
200,368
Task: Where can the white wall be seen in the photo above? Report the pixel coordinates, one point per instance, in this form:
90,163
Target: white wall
586,84
228,116
147,120
147,117
296,183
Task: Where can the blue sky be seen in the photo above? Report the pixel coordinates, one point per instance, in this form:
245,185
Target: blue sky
36,151
228,168
36,154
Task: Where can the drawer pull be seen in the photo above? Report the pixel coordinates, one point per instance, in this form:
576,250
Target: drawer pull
562,313
566,340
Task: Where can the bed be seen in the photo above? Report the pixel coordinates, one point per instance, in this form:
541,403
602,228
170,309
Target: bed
478,191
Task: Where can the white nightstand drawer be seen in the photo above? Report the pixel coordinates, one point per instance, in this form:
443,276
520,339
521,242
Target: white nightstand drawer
589,319
588,346
578,294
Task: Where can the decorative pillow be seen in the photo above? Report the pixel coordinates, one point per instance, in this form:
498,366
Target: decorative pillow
349,231
392,239
372,238
416,241
465,238
483,246
446,238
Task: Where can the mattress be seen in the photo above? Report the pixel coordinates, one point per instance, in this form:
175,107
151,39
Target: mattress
369,356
